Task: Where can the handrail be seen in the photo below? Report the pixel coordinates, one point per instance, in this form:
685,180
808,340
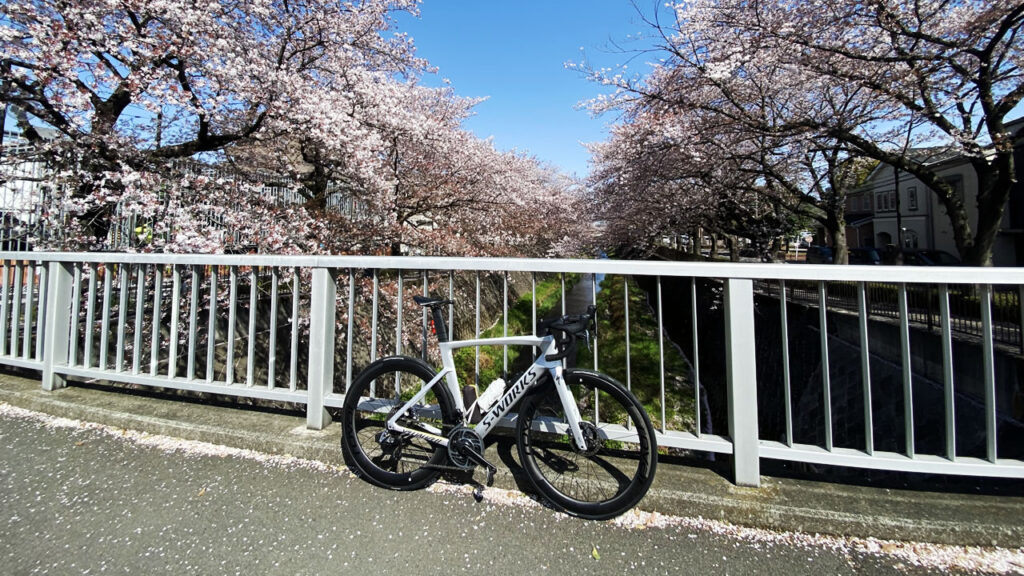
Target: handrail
107,302
753,271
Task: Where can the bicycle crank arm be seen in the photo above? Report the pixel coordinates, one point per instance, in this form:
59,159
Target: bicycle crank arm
466,449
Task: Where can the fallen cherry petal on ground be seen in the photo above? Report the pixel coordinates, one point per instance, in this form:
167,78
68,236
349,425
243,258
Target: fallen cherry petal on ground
938,556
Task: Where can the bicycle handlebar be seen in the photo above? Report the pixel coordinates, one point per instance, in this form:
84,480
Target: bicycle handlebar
566,330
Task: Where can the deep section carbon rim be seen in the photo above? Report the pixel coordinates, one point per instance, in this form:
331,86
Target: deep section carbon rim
612,471
393,459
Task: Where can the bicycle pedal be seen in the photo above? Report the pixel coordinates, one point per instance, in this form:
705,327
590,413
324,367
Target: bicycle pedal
478,493
490,476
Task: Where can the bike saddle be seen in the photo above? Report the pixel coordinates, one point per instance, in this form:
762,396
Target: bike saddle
430,301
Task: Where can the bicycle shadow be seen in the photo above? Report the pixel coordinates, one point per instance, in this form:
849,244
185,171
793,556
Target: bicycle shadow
507,464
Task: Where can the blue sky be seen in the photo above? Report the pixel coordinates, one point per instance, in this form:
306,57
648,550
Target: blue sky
514,53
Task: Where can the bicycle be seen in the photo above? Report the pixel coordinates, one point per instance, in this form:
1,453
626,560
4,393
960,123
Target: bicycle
585,442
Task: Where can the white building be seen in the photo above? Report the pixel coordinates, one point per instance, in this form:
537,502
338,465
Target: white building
22,180
920,214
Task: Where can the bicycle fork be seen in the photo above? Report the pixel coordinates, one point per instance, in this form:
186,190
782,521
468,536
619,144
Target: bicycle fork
572,411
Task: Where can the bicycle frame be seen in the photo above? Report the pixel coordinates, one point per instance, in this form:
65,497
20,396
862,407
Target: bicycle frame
508,399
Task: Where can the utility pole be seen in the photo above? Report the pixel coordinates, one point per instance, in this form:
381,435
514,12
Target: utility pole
159,127
3,121
899,213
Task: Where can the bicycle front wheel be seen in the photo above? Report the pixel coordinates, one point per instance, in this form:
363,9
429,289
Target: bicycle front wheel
613,471
398,460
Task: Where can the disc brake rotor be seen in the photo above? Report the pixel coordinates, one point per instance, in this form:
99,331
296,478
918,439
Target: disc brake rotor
591,437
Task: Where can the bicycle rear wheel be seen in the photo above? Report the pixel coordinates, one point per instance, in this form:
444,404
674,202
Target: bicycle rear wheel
401,461
613,471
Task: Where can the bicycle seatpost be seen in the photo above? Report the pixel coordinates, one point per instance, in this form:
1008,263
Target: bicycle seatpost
440,328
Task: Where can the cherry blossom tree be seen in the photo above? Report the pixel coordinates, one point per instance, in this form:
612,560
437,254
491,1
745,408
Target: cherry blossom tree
444,190
753,118
667,171
858,79
130,85
430,186
949,70
641,187
318,97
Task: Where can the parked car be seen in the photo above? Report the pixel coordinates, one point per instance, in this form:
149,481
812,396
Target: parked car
929,258
819,255
868,256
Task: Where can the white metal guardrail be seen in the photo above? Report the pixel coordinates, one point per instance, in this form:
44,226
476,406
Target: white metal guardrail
295,328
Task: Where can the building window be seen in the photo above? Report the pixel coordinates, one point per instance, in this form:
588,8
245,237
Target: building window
910,239
912,197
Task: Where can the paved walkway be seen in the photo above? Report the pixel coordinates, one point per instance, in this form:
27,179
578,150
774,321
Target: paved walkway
78,501
56,487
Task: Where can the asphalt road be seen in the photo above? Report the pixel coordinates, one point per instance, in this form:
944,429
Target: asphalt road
78,501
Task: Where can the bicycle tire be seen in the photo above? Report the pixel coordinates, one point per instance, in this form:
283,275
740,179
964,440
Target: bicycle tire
617,467
396,461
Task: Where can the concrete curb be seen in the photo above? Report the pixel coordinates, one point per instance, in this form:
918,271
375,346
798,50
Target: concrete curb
780,504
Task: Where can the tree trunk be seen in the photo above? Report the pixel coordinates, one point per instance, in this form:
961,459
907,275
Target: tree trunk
777,250
835,228
841,253
994,184
995,180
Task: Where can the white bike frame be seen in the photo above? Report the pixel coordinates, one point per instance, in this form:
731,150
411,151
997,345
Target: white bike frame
511,395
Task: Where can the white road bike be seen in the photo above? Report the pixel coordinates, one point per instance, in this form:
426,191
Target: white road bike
585,442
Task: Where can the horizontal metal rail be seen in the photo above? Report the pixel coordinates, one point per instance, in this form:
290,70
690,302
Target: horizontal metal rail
847,390
721,270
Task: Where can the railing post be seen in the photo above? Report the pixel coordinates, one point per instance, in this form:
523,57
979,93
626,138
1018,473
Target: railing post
322,316
56,326
741,375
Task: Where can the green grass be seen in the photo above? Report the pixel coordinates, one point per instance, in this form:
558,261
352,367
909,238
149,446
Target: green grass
520,322
644,356
644,350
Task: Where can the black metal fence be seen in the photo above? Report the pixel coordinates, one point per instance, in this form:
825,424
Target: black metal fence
923,307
